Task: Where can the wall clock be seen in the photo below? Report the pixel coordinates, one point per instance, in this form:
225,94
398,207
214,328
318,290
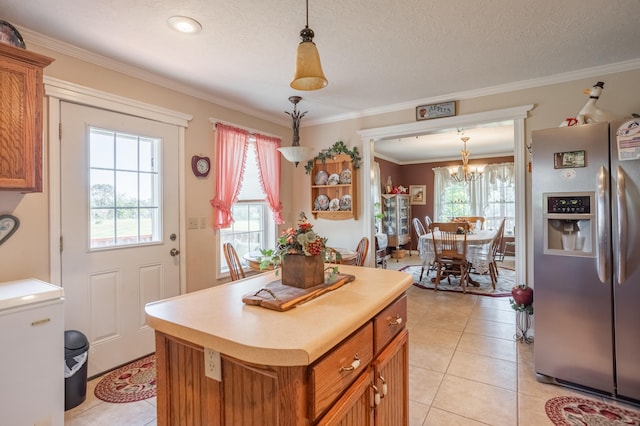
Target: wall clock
200,165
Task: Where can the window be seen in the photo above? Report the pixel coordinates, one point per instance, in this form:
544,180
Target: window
124,182
492,196
253,227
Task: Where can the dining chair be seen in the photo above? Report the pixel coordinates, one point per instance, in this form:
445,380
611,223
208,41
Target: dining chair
361,251
235,267
418,227
428,222
483,258
496,246
420,231
450,250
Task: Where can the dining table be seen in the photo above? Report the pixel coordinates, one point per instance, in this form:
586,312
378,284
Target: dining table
478,242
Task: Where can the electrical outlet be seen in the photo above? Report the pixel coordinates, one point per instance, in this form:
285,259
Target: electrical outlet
212,364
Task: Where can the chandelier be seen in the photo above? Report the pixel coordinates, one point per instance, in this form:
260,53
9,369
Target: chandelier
464,172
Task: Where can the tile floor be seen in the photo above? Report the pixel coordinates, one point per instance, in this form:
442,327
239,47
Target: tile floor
465,368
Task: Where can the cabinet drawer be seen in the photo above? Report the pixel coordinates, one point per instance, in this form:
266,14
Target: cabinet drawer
331,375
389,322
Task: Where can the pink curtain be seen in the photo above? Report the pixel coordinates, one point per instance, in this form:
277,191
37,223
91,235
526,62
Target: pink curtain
231,155
269,167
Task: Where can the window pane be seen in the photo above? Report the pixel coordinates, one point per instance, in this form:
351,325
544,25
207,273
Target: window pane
126,189
101,148
124,199
148,155
102,190
126,226
126,152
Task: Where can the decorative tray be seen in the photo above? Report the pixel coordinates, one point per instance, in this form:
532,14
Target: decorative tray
280,297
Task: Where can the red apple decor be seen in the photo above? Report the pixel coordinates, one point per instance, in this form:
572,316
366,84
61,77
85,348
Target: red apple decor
522,298
522,303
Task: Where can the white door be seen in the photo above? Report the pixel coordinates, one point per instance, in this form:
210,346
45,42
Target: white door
120,224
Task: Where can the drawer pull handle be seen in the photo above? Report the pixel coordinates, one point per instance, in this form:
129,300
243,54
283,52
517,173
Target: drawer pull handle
396,321
354,365
384,385
40,322
376,396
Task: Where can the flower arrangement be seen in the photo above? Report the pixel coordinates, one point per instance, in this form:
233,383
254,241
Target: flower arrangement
301,240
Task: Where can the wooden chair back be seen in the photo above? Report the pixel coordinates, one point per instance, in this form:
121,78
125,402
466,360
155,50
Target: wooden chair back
235,267
361,251
450,250
450,244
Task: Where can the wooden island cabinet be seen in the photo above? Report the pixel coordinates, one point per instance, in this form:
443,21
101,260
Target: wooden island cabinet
339,359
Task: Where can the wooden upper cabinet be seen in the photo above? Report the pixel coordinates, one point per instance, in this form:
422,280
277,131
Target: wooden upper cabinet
21,94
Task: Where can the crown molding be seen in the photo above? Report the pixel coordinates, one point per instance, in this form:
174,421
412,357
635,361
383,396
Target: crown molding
102,61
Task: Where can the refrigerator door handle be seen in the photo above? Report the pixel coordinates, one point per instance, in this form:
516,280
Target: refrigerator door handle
622,227
601,259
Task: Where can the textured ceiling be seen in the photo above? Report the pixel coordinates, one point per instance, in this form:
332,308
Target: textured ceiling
378,55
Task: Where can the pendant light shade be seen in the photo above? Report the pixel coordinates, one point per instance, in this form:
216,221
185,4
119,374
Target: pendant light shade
296,153
308,74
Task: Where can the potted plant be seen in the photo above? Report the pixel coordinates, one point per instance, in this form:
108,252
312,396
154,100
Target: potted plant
301,254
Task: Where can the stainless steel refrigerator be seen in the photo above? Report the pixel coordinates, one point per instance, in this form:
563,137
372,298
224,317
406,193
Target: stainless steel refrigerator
586,222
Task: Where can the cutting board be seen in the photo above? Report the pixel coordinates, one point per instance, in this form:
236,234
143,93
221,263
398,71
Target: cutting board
280,297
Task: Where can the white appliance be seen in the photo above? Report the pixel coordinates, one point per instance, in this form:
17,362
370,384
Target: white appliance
586,212
32,355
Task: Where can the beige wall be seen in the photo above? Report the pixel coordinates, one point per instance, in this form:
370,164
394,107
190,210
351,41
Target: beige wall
552,104
26,254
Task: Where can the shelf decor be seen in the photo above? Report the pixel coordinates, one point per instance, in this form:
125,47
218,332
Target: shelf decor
337,148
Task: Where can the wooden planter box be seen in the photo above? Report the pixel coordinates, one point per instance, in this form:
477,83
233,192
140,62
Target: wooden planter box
302,271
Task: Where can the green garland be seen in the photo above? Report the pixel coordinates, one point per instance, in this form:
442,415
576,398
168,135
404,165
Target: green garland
337,148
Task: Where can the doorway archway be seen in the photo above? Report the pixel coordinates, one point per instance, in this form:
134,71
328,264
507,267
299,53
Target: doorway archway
515,114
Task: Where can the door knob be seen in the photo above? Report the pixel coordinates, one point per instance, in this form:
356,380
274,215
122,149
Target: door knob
174,252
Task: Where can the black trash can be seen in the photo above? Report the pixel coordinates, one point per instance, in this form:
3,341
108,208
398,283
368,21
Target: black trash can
76,357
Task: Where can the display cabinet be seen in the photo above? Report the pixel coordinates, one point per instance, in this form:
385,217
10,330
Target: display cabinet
21,118
334,188
397,219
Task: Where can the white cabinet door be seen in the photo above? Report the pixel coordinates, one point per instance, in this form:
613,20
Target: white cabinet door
32,365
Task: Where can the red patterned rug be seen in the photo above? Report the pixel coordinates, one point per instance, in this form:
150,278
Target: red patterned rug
133,382
572,411
506,281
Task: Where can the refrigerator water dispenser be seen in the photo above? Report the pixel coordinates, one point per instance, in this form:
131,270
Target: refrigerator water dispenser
569,224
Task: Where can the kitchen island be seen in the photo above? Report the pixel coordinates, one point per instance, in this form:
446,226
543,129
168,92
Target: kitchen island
343,355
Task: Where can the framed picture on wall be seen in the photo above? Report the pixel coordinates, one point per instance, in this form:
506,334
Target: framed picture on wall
418,194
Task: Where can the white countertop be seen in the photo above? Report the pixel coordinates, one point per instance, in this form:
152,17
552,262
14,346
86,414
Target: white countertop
216,318
14,294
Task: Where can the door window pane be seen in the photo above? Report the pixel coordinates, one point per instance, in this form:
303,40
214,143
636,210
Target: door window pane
124,201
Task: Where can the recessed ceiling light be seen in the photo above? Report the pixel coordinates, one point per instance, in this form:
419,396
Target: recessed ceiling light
184,24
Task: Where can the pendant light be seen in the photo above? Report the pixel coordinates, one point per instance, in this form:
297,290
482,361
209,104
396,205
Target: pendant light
308,74
466,174
295,153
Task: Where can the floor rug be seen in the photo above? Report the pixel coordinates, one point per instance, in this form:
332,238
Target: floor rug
572,411
133,382
506,281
